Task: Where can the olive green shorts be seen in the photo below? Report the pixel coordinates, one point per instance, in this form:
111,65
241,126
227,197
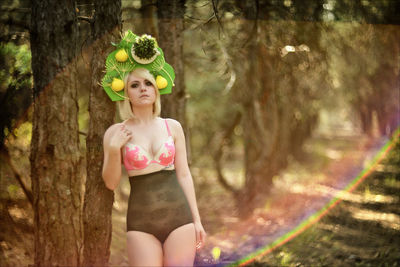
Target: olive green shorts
157,204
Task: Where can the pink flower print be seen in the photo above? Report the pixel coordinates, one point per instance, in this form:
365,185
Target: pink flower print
133,159
168,157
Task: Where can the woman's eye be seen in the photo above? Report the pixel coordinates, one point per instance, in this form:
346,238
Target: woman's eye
134,85
149,84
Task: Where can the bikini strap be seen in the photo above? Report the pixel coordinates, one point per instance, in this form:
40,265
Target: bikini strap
169,132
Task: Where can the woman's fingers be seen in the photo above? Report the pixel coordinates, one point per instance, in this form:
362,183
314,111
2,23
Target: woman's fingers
197,239
200,237
203,236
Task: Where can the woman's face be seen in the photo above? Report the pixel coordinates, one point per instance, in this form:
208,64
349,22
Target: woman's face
140,91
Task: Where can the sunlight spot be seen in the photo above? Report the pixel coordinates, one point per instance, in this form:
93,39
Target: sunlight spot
389,220
289,48
228,15
328,16
262,221
17,212
318,189
328,6
336,82
304,47
333,154
116,205
387,168
287,3
226,244
230,219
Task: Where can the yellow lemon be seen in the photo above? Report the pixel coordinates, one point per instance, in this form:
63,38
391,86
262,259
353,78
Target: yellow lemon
161,82
216,252
121,55
117,84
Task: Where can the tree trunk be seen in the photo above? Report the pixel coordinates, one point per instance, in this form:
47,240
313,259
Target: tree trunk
149,18
260,119
271,96
55,158
170,38
98,201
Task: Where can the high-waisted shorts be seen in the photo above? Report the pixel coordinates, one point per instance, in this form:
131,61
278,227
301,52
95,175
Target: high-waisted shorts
157,204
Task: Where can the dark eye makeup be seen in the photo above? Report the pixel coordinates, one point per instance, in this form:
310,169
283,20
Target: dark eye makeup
136,84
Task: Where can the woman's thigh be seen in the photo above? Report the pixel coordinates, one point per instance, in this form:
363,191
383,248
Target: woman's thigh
180,246
144,249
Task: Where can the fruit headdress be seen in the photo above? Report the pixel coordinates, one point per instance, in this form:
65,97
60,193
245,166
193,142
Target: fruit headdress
136,52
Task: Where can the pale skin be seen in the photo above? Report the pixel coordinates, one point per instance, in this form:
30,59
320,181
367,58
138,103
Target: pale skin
145,249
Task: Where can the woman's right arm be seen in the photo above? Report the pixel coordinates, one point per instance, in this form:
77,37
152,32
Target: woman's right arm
114,138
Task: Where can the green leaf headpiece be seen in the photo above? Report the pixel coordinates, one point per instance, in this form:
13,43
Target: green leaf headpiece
136,52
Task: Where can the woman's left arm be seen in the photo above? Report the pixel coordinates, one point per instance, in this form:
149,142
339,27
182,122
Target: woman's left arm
185,179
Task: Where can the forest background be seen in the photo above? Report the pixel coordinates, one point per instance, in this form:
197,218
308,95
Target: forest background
262,87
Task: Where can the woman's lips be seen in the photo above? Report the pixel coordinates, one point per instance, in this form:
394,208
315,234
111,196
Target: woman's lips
144,96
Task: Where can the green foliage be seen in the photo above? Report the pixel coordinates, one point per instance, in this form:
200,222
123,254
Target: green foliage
13,190
144,47
17,61
15,84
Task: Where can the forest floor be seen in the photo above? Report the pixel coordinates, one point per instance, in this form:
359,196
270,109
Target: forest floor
366,219
362,230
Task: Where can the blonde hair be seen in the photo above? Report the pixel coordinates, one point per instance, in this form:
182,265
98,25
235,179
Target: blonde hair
125,108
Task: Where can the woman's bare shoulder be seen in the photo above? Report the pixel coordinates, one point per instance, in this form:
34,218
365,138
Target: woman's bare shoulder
175,126
173,123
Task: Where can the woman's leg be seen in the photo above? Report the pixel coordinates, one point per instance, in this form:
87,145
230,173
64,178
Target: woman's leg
144,249
180,246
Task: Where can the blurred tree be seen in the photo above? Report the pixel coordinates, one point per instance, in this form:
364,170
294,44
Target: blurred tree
170,37
271,89
149,17
106,28
55,156
14,20
282,55
367,71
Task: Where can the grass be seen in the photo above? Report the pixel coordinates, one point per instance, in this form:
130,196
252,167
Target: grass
360,231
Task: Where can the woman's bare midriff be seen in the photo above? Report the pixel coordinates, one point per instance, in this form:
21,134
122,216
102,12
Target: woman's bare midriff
149,169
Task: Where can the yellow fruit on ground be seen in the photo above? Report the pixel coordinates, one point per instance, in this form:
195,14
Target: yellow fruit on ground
117,84
121,55
216,252
161,82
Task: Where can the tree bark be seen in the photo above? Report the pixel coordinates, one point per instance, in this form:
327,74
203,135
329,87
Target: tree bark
98,201
170,38
55,157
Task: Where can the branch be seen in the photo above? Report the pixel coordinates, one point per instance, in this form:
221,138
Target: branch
27,192
87,19
215,10
254,30
228,60
218,154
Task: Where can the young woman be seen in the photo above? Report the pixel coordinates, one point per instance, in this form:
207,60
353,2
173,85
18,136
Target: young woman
163,221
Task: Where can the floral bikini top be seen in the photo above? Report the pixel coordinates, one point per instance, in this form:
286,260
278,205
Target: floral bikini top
136,157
